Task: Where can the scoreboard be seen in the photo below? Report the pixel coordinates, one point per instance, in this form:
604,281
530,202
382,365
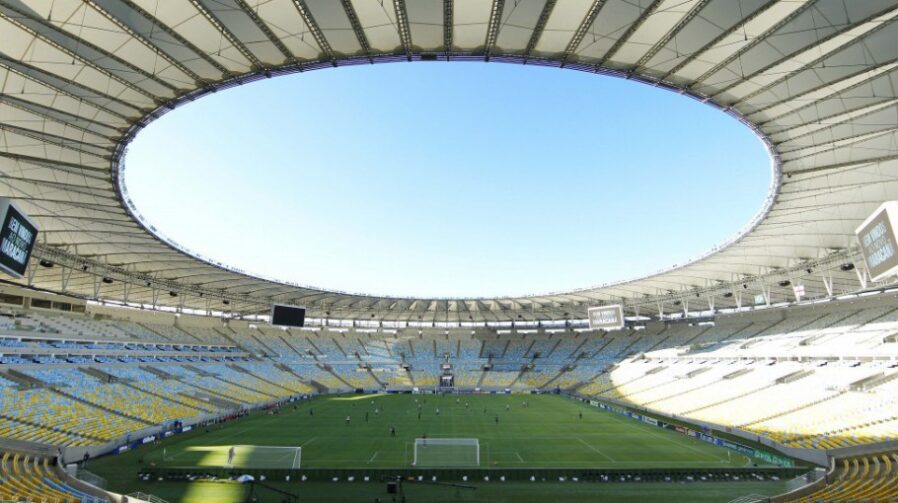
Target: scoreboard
17,238
288,316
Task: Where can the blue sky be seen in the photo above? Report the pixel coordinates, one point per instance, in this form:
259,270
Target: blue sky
436,179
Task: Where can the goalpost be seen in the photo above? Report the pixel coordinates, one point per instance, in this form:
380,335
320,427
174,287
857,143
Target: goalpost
244,456
446,452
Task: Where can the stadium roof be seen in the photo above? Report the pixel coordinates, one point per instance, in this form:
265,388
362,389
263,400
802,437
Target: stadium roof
815,79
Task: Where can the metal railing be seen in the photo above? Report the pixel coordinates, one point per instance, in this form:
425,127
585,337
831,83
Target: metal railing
91,478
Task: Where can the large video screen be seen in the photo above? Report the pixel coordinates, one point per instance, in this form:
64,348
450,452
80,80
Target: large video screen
17,238
877,240
288,316
606,317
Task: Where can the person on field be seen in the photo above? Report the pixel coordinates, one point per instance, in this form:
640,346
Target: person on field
231,456
348,419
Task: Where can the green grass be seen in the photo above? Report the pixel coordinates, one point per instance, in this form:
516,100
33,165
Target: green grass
548,433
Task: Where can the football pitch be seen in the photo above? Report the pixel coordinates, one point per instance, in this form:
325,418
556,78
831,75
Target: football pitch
380,431
513,431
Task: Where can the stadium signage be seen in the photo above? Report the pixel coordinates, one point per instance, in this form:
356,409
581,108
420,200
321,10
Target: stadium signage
877,239
606,317
17,238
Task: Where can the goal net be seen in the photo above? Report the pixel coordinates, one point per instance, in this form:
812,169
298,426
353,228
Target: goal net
446,452
246,456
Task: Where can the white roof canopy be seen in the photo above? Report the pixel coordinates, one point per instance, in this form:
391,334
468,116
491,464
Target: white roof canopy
815,79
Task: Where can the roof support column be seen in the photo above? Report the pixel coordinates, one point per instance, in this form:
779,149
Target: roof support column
827,278
66,273
862,277
765,291
32,269
127,291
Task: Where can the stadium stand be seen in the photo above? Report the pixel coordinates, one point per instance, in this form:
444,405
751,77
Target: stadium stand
30,478
860,479
803,378
814,379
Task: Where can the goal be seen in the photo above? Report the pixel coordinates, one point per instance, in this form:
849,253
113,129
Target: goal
446,452
262,456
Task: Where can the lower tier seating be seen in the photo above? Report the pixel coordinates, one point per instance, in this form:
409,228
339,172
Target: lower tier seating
30,478
861,479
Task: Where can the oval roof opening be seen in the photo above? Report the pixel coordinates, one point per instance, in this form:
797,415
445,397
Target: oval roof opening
459,180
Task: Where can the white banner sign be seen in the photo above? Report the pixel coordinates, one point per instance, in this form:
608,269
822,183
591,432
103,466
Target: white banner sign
606,317
877,239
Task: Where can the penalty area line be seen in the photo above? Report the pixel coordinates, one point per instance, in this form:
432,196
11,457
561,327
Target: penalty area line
374,456
609,458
